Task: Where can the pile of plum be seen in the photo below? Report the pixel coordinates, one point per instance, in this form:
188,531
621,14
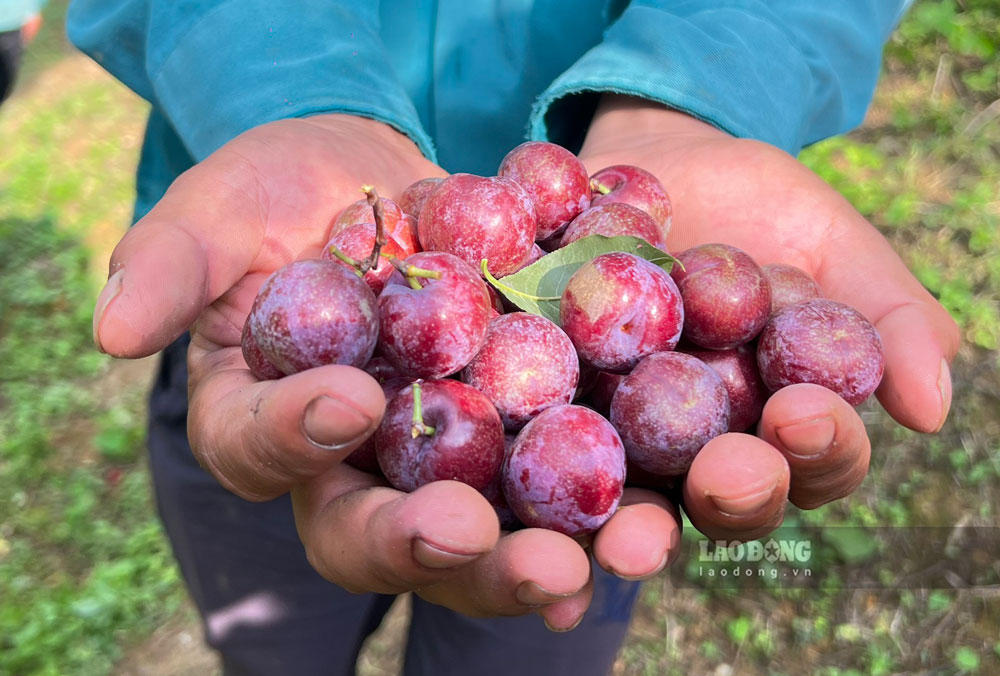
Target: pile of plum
645,366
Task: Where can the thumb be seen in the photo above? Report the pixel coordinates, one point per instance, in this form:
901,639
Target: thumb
195,244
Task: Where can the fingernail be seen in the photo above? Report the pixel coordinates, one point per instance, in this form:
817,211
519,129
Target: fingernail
656,571
561,630
430,556
944,387
332,423
532,594
809,438
744,504
108,294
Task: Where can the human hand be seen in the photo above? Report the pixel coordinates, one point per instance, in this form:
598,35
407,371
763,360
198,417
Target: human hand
813,447
197,260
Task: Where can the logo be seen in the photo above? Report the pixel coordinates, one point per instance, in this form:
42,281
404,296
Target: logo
773,551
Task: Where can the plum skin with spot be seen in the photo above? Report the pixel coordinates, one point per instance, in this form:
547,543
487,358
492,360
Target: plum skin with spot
526,365
554,178
260,367
738,369
566,471
435,331
619,308
666,409
635,186
727,298
312,313
474,218
825,343
789,285
467,444
615,219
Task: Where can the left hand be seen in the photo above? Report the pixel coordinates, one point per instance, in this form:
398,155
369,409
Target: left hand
813,447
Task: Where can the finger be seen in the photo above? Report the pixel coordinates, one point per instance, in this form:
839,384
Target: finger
918,335
370,538
260,438
528,570
566,614
736,488
920,340
200,238
641,538
823,439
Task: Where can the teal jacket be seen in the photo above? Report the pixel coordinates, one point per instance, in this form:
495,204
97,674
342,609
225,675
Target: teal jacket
469,79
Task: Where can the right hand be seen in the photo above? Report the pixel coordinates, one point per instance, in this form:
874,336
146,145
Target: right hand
197,260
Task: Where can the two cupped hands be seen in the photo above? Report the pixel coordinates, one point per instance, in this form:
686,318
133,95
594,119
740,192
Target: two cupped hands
269,196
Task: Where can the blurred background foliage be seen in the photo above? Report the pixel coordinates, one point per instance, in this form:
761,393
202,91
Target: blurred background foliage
86,578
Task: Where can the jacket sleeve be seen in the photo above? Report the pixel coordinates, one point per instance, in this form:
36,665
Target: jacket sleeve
788,72
216,68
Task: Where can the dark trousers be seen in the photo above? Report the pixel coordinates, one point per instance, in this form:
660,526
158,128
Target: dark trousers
10,59
269,613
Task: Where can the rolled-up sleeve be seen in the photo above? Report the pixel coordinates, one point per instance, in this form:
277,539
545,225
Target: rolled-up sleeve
216,68
787,72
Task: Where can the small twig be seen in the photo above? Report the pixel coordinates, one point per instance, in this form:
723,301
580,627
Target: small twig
941,76
380,241
991,112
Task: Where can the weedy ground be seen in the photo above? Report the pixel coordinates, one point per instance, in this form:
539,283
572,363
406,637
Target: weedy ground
87,582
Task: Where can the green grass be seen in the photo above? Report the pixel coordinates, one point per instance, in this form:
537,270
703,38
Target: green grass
920,172
84,566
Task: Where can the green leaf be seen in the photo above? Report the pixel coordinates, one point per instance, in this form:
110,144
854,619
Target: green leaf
966,659
538,287
738,628
938,601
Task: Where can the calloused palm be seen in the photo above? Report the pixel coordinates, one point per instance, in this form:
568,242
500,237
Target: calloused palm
760,199
198,259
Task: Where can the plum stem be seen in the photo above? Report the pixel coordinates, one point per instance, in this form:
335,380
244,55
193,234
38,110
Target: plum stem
340,255
509,290
412,272
375,202
597,186
418,415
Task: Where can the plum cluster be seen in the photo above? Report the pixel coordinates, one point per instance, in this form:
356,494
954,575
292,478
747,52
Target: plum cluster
643,368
